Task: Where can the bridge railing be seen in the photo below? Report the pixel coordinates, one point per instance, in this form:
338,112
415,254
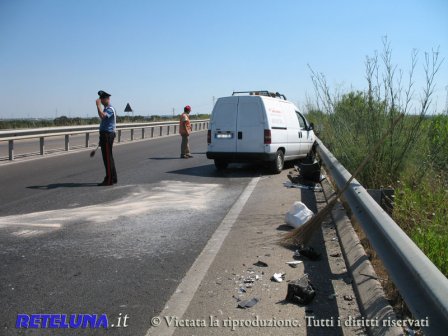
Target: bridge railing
147,130
422,286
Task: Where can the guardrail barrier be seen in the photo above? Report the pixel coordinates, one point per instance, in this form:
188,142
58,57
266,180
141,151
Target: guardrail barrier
41,133
422,286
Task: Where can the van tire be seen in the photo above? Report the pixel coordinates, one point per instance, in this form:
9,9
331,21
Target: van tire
221,164
279,162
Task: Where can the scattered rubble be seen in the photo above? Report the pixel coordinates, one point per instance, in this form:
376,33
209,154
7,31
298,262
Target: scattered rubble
248,303
260,264
278,277
301,291
306,251
294,263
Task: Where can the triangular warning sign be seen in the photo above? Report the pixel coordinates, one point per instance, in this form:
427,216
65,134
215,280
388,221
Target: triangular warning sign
128,108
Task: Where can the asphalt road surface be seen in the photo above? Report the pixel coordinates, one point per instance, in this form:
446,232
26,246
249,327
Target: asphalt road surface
69,246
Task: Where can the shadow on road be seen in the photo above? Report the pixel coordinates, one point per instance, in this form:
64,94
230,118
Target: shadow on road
210,171
63,185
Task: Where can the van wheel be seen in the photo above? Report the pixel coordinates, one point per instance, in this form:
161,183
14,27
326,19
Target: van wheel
220,164
279,162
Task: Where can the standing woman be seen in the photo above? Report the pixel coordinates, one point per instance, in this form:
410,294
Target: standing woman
108,118
184,131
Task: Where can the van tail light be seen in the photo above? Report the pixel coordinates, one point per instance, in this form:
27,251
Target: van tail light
209,136
267,137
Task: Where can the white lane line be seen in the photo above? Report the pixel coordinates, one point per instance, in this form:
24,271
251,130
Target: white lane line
180,300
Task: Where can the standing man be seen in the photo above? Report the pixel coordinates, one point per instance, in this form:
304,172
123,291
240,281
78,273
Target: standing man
108,118
184,131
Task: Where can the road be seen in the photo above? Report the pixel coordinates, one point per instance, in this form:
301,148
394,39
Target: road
68,246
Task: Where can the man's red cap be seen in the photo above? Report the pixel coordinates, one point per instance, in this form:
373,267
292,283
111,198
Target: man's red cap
187,108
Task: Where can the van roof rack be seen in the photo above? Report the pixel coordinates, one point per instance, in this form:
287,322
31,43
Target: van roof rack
261,93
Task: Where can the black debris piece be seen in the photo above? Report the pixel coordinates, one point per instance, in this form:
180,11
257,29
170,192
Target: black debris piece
306,251
261,264
301,291
248,303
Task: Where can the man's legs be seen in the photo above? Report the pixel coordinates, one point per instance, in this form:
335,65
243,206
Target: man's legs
184,150
106,143
112,161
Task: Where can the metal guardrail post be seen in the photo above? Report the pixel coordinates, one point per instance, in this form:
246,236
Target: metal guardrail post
175,129
168,130
119,136
143,132
42,145
67,142
87,140
11,149
132,134
152,132
161,128
423,287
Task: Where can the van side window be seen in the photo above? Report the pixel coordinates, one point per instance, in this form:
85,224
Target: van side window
302,121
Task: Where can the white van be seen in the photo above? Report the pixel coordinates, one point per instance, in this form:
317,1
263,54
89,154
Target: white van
258,126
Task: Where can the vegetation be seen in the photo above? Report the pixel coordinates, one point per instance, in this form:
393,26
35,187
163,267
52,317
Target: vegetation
65,121
414,159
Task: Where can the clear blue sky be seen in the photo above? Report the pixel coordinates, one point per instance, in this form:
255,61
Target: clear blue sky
156,55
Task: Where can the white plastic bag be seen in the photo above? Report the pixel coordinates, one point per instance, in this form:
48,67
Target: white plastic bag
298,215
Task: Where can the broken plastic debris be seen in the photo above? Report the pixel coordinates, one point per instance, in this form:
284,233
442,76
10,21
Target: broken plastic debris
301,291
294,263
261,264
348,297
337,254
306,251
248,303
278,277
289,184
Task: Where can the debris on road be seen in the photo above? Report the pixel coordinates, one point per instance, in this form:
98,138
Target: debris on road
301,291
337,254
260,264
306,251
298,215
289,184
248,303
294,263
348,297
278,277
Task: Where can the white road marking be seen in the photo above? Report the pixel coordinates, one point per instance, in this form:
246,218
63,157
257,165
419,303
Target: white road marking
182,296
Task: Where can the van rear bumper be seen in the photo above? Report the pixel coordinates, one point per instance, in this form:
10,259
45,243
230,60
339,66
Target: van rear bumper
241,157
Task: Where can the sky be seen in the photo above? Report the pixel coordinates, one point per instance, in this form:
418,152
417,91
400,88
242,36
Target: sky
159,55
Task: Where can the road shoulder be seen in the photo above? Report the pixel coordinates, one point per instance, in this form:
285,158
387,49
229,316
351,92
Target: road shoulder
254,237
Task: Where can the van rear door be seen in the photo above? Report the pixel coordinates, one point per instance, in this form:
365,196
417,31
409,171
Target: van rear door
223,125
250,125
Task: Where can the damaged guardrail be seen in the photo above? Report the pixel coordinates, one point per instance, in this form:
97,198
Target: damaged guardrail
423,287
42,133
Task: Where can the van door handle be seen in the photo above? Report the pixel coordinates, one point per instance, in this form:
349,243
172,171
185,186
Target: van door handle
240,135
300,134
